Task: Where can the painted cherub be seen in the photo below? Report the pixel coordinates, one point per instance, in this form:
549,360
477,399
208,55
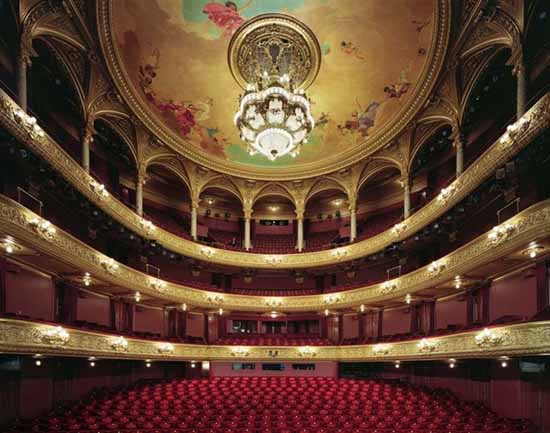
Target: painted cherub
398,89
226,16
351,49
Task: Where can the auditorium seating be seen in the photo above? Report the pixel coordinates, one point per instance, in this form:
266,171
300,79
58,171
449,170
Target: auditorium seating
321,240
273,405
224,239
274,244
274,292
273,340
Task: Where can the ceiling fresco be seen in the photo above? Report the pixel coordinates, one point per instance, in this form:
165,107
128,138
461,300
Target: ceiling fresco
174,53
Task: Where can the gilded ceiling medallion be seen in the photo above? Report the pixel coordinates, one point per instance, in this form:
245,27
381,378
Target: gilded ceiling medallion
277,44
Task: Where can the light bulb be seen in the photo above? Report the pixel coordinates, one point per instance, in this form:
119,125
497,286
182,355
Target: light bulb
38,363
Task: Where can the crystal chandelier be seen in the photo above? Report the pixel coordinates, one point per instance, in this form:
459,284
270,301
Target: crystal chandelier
274,58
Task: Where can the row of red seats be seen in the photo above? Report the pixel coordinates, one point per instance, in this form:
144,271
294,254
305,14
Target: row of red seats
274,405
274,292
272,340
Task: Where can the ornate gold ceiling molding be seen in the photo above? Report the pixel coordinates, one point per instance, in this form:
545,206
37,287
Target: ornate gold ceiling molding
427,80
538,119
22,337
34,232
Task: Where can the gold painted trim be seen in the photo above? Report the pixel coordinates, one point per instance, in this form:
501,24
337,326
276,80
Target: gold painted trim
23,337
427,80
516,233
538,118
299,29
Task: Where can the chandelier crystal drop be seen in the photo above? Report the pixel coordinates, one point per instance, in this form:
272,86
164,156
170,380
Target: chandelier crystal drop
274,58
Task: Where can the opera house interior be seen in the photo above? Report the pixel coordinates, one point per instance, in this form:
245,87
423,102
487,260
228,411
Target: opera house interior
363,246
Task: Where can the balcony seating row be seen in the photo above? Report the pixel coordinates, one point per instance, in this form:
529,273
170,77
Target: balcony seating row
273,405
274,292
273,340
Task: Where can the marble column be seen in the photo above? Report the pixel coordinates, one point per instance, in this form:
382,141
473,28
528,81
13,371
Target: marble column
86,141
247,242
352,223
23,62
459,148
139,194
406,197
300,234
521,95
194,211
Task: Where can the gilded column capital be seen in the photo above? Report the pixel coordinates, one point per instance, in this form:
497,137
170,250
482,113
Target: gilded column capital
26,51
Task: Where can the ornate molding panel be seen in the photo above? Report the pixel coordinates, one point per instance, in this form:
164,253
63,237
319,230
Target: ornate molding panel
538,119
20,223
437,51
17,336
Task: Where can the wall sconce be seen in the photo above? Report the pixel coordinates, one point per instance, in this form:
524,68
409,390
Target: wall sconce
165,348
513,131
427,346
120,344
408,299
388,287
220,311
533,251
327,312
339,253
110,266
9,246
447,193
184,307
458,282
99,189
398,228
500,233
147,225
240,352
362,308
381,349
307,352
331,299
273,302
215,299
87,279
30,123
137,297
489,338
158,285
435,268
207,252
43,227
273,260
55,336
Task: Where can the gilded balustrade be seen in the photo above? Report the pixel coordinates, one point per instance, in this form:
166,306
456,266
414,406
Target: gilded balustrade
529,225
509,144
24,337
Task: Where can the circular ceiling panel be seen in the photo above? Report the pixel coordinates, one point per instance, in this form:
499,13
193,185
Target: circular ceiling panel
379,60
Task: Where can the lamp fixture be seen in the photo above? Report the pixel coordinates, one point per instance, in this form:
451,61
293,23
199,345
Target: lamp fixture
274,58
30,123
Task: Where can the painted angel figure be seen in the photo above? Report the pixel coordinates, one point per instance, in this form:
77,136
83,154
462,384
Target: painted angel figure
402,86
351,49
225,15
